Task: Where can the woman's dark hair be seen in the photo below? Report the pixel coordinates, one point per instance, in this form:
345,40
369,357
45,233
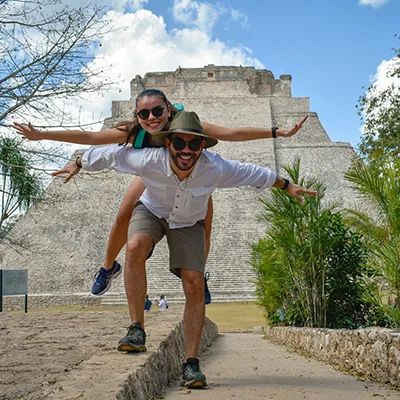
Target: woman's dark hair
133,127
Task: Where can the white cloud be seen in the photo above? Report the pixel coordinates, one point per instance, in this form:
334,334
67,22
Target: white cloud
239,17
191,13
382,78
373,3
204,16
138,4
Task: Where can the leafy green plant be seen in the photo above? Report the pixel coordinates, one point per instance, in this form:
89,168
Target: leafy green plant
307,257
379,110
21,185
380,224
345,281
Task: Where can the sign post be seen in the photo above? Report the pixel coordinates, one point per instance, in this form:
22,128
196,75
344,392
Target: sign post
13,283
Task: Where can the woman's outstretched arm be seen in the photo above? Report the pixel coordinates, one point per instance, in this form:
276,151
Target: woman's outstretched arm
108,136
242,134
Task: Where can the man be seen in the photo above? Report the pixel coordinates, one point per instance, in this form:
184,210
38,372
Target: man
163,305
147,303
179,180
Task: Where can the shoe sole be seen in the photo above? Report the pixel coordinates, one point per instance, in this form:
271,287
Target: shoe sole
194,384
116,275
132,349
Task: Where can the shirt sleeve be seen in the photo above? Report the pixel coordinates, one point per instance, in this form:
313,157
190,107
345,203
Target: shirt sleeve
120,158
235,173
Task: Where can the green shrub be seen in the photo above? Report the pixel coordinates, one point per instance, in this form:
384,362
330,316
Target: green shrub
309,264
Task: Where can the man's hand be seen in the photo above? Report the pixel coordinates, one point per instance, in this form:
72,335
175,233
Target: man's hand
71,169
296,190
293,131
28,131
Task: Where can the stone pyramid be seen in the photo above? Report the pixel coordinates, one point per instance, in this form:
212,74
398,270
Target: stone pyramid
64,236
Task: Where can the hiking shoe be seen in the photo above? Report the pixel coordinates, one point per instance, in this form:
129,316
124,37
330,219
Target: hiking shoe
104,278
207,294
192,377
134,341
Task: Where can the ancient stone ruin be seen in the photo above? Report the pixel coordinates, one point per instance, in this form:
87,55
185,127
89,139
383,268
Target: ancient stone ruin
64,236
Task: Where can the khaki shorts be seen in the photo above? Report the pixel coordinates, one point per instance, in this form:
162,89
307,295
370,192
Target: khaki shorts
187,246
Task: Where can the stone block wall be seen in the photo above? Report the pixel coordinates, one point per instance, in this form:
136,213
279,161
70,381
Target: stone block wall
50,300
223,81
374,352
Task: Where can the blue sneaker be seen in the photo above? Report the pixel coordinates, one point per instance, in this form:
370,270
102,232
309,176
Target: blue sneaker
104,278
207,294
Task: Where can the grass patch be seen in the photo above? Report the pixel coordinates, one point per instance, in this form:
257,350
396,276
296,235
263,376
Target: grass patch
230,317
236,317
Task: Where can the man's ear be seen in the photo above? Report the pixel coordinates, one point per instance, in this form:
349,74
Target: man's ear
203,144
167,142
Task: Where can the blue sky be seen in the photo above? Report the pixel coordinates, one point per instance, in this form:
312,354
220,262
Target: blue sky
331,48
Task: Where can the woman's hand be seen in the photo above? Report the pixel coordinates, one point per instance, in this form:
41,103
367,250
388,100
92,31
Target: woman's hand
71,169
28,131
293,131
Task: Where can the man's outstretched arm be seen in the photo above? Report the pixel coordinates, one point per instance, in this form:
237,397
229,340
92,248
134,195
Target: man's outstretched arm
70,169
292,189
120,158
235,173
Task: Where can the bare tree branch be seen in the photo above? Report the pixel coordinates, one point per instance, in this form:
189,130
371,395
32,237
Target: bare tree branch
45,56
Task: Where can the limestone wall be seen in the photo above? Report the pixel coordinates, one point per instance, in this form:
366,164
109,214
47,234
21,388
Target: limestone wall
374,352
214,80
46,300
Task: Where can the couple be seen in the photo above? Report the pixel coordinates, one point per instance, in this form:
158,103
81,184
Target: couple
179,179
153,113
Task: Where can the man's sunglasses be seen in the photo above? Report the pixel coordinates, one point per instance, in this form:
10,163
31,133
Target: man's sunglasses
156,111
180,144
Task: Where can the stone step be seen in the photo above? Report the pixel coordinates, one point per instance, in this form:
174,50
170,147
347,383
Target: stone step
113,300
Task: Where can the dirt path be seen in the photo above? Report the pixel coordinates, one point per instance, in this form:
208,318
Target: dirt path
72,355
246,366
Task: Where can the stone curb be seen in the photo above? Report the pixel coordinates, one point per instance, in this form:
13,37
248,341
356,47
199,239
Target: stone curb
374,352
164,365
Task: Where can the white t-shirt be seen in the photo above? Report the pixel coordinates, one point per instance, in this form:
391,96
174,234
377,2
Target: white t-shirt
163,304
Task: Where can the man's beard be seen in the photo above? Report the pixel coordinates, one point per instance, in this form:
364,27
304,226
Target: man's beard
179,162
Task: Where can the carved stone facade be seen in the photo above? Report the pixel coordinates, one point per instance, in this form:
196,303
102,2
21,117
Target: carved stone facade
65,235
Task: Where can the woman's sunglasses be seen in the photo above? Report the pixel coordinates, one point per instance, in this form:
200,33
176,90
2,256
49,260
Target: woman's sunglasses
156,111
180,144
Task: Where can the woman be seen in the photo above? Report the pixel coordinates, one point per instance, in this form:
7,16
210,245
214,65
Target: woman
153,113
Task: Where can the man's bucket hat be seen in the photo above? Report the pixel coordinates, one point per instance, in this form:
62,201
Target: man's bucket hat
184,122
